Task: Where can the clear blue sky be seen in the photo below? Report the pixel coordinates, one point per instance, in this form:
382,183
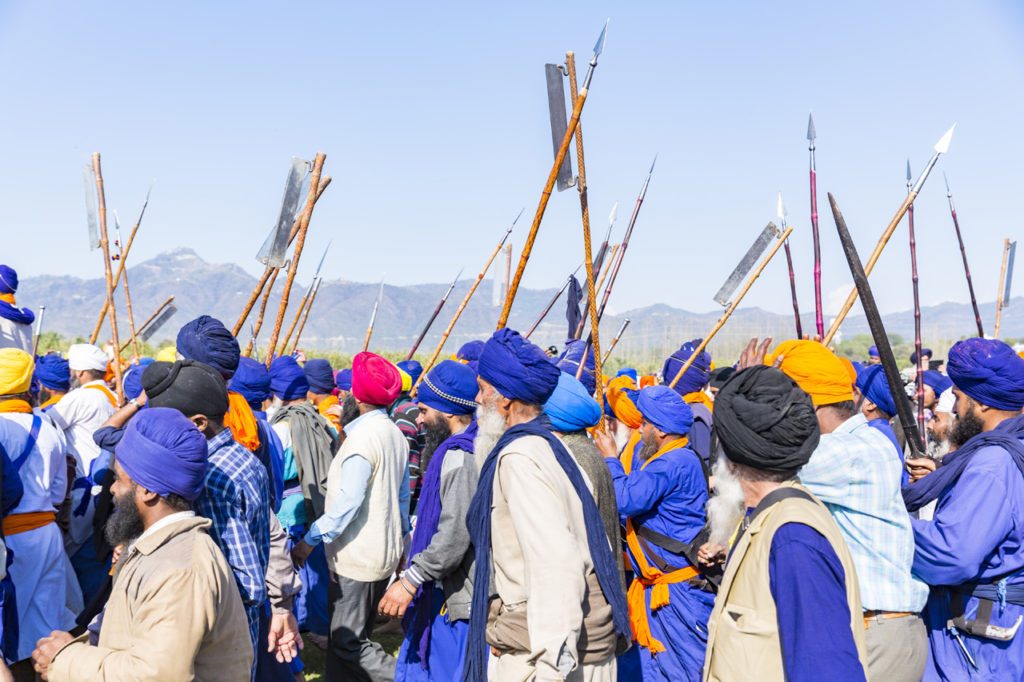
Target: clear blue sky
433,116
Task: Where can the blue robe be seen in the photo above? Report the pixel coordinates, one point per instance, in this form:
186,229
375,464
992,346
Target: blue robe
669,496
977,535
446,656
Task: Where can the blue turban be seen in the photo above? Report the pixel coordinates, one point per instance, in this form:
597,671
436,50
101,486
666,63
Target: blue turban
320,376
132,380
873,351
937,380
518,369
988,371
629,372
53,373
8,280
470,351
411,367
287,380
696,377
206,340
665,409
343,379
569,362
450,388
571,407
924,351
873,385
164,452
858,366
251,381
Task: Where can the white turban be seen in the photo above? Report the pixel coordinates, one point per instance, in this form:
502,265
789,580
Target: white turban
946,401
85,356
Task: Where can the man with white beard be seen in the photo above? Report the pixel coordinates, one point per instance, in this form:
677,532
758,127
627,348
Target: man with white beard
559,611
789,601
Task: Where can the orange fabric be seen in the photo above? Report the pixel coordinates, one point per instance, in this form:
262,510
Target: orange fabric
110,396
648,380
699,397
15,405
650,577
8,298
815,369
626,458
325,404
51,401
242,422
622,407
22,523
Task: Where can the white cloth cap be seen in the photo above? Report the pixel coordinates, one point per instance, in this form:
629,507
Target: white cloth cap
85,356
946,401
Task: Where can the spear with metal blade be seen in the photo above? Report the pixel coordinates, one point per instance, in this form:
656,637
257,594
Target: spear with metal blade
892,374
305,315
599,259
963,256
97,172
919,378
373,316
552,302
819,319
731,308
1005,282
570,131
941,147
433,316
304,300
154,322
127,290
615,340
121,264
256,328
39,330
781,210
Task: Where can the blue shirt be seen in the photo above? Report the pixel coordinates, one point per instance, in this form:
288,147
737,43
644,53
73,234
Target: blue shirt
885,427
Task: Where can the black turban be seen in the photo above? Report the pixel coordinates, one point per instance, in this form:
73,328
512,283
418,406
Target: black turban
187,386
765,421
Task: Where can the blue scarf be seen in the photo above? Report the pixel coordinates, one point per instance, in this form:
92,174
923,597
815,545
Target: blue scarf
1006,435
479,522
19,315
419,615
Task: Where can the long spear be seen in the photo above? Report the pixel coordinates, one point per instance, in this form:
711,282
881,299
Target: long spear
263,309
152,324
127,290
941,147
552,302
545,195
305,299
919,378
373,316
305,315
819,319
781,209
963,256
1005,277
465,301
120,268
608,267
599,259
732,306
433,316
39,330
892,374
300,242
108,275
615,340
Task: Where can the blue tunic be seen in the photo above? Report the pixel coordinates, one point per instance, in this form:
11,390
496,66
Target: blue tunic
885,427
668,496
446,655
976,535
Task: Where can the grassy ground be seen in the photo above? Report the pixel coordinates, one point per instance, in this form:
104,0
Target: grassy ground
316,659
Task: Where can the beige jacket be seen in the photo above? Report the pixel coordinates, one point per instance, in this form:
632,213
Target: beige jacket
743,634
174,614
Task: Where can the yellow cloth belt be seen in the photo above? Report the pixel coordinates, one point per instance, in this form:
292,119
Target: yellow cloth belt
106,391
22,523
242,422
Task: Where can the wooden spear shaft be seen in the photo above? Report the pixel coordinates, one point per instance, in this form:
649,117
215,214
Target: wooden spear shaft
1002,288
120,271
300,242
108,275
608,266
295,320
142,327
131,314
263,309
305,315
732,306
615,340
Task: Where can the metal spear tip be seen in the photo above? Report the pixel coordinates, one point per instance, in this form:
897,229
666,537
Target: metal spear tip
651,172
599,45
614,214
811,133
910,178
780,208
942,146
949,193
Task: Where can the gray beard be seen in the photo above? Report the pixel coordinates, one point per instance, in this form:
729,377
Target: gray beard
725,509
490,427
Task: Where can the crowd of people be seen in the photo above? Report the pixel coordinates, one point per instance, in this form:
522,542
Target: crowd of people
767,520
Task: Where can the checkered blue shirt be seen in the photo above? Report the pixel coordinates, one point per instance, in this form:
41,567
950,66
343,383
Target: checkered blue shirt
856,472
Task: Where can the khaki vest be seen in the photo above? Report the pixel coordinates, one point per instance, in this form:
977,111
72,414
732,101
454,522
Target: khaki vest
370,547
743,635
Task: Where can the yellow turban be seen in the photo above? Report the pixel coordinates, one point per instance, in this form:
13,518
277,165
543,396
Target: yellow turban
815,369
850,369
406,380
169,354
622,407
15,371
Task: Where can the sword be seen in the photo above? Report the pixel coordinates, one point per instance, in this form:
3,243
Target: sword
433,316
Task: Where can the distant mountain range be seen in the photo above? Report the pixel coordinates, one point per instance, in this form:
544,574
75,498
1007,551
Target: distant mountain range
342,311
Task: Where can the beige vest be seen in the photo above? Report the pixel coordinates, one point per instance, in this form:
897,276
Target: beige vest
370,547
743,635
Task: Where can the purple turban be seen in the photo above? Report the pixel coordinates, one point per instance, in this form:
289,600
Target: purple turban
287,380
8,280
320,376
518,369
937,380
164,452
663,407
413,368
450,388
470,351
206,340
696,377
924,352
571,407
988,371
343,379
873,351
132,380
872,384
53,372
569,362
251,381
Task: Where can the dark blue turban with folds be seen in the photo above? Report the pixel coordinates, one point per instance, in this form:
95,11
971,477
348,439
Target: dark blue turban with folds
206,340
518,369
287,380
988,371
873,351
663,407
8,280
924,352
696,377
164,452
413,368
252,382
320,376
343,379
937,380
132,380
53,373
470,351
873,385
450,388
571,407
569,362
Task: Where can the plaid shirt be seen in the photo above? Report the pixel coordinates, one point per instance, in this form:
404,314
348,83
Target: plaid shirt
855,471
403,413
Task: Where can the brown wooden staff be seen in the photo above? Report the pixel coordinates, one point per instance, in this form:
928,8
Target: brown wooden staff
608,265
300,242
156,313
120,271
295,320
107,273
127,292
263,309
265,277
305,315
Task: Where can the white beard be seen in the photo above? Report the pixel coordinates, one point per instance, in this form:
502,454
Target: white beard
274,408
490,427
725,509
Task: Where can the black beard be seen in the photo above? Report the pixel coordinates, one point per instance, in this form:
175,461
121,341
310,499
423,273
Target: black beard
349,410
967,426
434,433
125,524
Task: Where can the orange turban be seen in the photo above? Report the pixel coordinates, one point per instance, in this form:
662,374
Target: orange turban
850,369
622,406
815,369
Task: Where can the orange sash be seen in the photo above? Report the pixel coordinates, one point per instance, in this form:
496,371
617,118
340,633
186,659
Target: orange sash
8,298
242,422
627,452
51,401
699,397
22,523
325,404
103,389
15,405
650,576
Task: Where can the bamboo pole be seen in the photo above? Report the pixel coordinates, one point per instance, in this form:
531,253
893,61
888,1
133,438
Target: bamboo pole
305,316
608,266
295,320
615,340
732,306
263,309
300,242
120,271
127,295
142,327
1002,288
108,275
